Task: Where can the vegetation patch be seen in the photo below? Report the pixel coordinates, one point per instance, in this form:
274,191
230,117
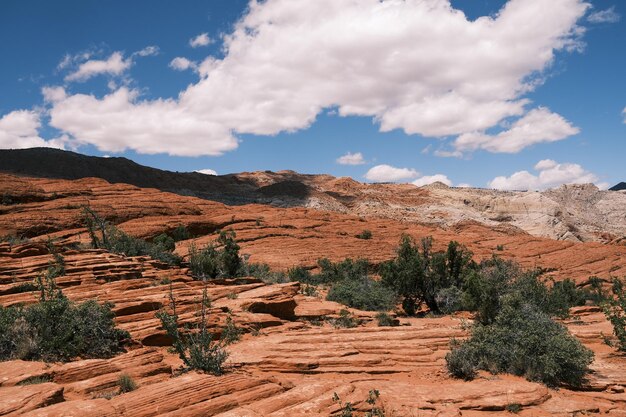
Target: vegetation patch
194,344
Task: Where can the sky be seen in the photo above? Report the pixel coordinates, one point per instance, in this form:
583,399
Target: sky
518,94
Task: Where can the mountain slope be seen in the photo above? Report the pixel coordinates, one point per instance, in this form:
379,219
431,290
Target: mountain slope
572,212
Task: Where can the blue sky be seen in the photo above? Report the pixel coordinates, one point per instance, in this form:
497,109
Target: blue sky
420,90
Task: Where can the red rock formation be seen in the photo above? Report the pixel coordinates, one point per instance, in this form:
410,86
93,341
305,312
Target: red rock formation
285,365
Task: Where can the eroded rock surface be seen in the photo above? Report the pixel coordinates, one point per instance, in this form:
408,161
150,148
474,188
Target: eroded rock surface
291,360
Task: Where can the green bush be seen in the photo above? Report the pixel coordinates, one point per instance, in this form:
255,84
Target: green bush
449,300
126,383
615,311
56,329
365,234
523,341
104,235
498,282
231,332
230,261
298,273
363,293
417,274
347,269
384,320
211,262
204,263
262,272
195,346
345,320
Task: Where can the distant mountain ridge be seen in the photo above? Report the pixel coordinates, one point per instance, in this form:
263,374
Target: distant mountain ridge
571,212
618,187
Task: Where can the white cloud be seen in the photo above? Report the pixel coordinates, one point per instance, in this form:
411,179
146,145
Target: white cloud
114,65
53,94
550,174
351,159
20,129
420,66
388,173
624,114
537,126
182,64
604,16
120,121
148,51
429,179
206,171
200,40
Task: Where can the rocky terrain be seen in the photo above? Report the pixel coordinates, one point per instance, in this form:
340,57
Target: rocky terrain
290,362
574,213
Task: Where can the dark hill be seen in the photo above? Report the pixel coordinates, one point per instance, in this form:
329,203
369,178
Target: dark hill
618,187
55,163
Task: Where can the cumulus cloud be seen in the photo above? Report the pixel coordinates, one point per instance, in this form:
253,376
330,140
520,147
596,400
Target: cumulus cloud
20,129
148,51
549,174
114,65
429,179
388,173
537,126
121,120
351,159
206,171
419,66
202,39
182,64
604,16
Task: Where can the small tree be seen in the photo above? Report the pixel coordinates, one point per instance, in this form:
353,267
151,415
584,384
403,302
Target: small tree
229,256
417,274
615,311
195,347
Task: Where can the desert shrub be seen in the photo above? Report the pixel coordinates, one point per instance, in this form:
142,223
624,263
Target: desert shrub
449,299
615,311
34,380
165,242
346,409
564,295
56,329
363,293
104,235
596,293
300,274
384,320
345,320
497,283
231,332
221,261
229,255
417,274
525,342
348,269
13,239
195,346
365,234
180,233
309,290
23,287
204,263
261,271
126,383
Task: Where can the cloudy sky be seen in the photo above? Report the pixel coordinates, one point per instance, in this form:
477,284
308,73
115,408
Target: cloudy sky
524,94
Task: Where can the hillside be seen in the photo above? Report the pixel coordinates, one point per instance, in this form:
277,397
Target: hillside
290,361
577,213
